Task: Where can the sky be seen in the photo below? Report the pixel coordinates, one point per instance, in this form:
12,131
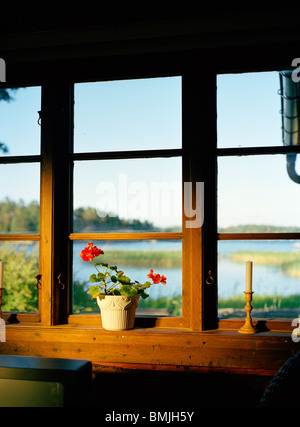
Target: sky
253,190
147,114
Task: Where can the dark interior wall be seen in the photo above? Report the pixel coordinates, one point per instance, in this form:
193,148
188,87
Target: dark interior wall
176,389
54,42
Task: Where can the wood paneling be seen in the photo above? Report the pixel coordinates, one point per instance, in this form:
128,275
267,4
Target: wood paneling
217,349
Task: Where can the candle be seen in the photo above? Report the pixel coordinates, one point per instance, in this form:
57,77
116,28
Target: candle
1,273
249,276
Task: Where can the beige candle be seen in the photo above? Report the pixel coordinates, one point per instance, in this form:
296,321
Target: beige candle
249,276
1,273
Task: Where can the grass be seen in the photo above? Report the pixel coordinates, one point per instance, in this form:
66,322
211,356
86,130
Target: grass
287,262
274,302
153,259
171,304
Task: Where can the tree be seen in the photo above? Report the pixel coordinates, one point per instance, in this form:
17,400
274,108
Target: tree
20,269
5,95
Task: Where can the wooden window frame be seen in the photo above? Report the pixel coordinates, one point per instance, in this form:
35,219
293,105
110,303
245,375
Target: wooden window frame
265,324
192,238
19,237
56,204
199,164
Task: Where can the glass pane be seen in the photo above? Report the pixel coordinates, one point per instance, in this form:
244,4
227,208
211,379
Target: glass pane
275,278
255,194
135,258
249,110
128,195
128,115
19,198
21,265
20,131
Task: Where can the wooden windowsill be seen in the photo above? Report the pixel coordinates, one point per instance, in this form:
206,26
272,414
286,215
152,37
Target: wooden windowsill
170,347
144,322
136,331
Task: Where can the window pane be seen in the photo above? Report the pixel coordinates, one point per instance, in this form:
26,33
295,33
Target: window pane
128,195
275,279
255,194
135,258
21,265
249,110
128,115
20,131
19,198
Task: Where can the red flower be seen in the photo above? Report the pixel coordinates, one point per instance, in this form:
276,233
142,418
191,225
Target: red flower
157,278
90,252
163,280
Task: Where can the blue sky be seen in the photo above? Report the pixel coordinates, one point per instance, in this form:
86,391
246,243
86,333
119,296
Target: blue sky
147,114
253,189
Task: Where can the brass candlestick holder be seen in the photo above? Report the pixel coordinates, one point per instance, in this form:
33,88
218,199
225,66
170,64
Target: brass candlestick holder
1,303
248,327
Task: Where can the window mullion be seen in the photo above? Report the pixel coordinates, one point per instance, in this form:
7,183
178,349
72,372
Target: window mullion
57,104
199,134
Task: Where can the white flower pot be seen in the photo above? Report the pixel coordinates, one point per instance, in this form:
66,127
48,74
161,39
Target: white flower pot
118,311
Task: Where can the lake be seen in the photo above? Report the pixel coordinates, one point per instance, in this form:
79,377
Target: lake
266,280
231,275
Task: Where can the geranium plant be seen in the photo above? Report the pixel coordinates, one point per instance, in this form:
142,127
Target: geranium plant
111,281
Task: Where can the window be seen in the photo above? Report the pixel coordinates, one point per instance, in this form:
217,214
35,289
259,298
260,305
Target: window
75,209
101,180
258,201
127,186
20,163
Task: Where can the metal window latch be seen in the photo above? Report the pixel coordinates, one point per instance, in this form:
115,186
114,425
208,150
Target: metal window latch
210,280
62,286
38,281
40,118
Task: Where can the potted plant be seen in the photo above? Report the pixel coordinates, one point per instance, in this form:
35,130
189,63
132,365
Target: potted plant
117,296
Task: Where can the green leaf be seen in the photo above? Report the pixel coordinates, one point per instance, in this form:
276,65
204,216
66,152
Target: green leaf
114,279
93,278
94,291
123,279
147,285
144,295
128,291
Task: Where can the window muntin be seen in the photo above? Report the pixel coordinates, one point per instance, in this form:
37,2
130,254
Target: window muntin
255,194
145,188
19,118
258,209
21,266
276,277
138,114
135,258
250,109
19,198
128,195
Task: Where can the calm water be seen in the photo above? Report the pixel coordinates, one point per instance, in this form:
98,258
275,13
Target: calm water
231,275
82,270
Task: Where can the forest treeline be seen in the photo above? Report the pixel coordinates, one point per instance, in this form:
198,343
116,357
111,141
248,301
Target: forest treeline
18,217
254,228
87,220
